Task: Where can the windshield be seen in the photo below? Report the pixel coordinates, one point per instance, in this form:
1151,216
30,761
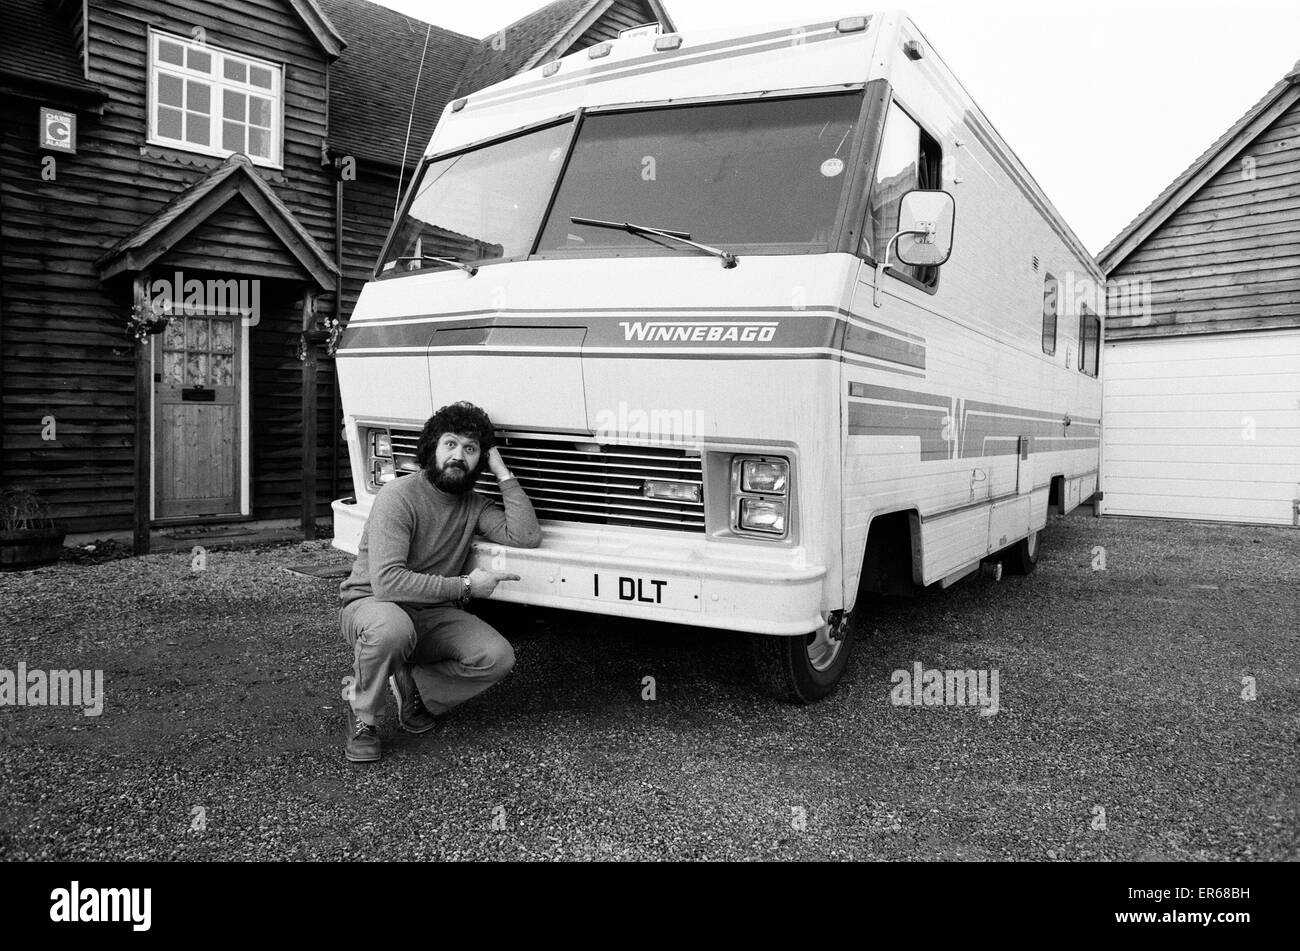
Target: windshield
481,205
746,176
755,176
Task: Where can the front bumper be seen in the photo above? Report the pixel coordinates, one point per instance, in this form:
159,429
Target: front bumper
740,587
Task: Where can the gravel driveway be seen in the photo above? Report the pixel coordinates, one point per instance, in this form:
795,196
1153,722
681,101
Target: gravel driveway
1122,732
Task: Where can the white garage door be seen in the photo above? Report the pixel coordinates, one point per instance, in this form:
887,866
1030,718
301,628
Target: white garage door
1204,427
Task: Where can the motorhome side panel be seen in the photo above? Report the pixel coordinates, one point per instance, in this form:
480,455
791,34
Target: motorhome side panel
940,432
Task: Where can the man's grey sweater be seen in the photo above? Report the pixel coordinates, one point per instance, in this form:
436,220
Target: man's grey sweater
416,542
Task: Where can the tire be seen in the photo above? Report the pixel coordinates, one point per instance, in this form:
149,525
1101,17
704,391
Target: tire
1022,557
804,669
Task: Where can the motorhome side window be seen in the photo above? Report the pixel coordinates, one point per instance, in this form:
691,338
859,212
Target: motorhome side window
1051,296
481,205
909,159
1089,338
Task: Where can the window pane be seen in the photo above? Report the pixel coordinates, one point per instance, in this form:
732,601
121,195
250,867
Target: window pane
236,70
260,76
174,368
198,60
196,369
174,338
897,172
198,97
170,89
170,53
482,205
730,174
169,123
197,332
1050,292
259,142
223,336
198,128
223,370
259,111
233,104
232,136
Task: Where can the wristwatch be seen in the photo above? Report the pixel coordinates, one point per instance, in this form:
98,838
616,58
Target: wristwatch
464,597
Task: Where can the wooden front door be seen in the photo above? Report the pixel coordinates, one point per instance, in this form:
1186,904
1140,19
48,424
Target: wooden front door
197,412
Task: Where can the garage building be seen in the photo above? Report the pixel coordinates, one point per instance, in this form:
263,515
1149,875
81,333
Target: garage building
1201,412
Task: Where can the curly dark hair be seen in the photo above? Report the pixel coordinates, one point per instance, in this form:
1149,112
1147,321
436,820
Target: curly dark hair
463,419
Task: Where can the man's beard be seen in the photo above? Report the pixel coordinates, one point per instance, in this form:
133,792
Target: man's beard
454,478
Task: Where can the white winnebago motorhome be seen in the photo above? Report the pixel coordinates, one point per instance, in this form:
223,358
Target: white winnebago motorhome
767,323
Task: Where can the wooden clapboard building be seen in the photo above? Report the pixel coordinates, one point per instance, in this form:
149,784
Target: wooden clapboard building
1203,333
224,172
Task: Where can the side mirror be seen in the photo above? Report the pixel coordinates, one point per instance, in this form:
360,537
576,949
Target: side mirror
925,227
925,232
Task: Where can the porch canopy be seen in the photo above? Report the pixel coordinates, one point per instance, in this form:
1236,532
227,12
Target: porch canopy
234,179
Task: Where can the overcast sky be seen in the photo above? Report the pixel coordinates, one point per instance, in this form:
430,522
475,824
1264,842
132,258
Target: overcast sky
1105,102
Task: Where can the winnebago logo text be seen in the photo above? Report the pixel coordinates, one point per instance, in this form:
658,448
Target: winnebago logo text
675,331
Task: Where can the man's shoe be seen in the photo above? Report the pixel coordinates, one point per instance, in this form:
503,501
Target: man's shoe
364,747
412,715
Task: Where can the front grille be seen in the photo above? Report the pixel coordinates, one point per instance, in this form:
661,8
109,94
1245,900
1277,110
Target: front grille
594,484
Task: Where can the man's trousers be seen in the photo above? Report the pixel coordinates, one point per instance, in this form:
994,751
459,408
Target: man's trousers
453,654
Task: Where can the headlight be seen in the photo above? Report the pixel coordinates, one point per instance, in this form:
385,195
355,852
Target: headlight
762,475
379,457
760,494
761,515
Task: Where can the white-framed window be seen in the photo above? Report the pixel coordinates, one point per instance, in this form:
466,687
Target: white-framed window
205,99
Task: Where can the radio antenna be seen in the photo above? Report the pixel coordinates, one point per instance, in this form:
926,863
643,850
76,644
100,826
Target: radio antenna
415,94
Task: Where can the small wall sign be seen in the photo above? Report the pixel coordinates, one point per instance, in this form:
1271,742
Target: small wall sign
58,130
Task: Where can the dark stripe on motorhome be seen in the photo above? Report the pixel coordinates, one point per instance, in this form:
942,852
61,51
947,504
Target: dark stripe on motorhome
682,56
563,318
799,330
871,419
949,428
719,353
868,342
890,394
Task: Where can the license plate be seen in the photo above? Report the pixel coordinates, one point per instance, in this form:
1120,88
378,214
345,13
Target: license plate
676,594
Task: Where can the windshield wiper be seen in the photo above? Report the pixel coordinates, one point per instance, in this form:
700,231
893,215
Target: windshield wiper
728,259
467,268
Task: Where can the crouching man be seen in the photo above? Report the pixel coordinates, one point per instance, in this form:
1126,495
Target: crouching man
403,605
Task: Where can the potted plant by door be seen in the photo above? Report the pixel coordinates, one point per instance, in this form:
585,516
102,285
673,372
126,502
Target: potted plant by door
28,536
